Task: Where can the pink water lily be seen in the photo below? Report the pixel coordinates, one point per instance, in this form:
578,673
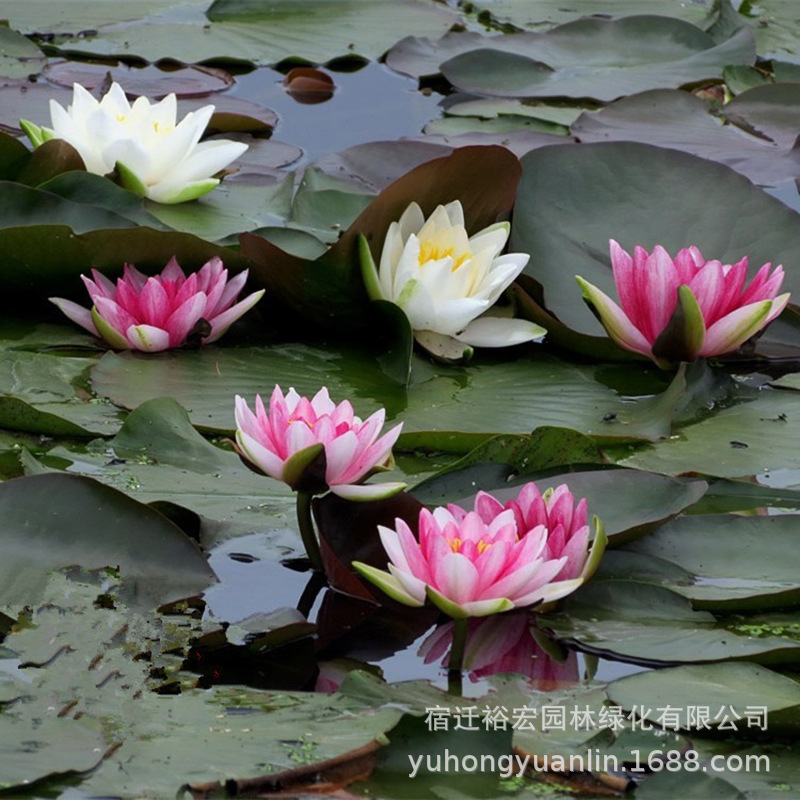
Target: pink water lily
474,563
160,312
287,442
568,531
683,308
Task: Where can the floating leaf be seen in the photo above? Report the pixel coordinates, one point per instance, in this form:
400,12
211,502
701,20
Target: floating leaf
652,625
240,30
774,706
758,143
56,520
572,200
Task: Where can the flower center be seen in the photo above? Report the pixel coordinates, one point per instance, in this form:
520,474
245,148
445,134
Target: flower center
310,425
455,545
432,251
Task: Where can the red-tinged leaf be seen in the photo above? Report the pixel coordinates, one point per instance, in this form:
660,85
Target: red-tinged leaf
348,532
322,778
329,290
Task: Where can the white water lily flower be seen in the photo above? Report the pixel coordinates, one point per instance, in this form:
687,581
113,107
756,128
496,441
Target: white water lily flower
155,156
446,281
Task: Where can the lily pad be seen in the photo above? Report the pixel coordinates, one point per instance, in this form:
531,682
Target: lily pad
40,393
158,456
753,699
750,438
552,12
57,520
149,80
735,563
578,59
512,396
572,200
19,56
237,30
653,626
679,120
78,16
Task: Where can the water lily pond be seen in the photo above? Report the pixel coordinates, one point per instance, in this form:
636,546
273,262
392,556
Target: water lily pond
399,400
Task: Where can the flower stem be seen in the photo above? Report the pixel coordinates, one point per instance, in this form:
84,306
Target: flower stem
457,648
307,533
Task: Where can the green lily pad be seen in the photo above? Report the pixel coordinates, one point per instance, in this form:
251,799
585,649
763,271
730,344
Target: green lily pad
158,456
76,16
503,397
652,625
679,120
237,30
750,438
553,12
579,59
754,699
19,56
51,749
57,520
41,393
572,200
735,563
234,206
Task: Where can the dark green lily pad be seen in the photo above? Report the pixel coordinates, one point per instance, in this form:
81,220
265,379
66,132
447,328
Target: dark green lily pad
41,393
578,59
158,456
57,520
679,120
490,398
754,699
19,56
572,200
750,438
553,12
652,625
76,16
736,563
236,30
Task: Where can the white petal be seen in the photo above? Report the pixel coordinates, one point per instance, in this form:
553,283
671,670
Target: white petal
496,332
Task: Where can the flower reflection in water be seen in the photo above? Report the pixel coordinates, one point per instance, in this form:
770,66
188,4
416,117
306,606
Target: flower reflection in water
503,644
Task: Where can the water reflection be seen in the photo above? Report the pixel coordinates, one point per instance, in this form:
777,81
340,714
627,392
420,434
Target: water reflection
395,643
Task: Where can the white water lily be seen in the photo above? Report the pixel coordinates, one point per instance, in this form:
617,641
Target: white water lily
154,155
447,282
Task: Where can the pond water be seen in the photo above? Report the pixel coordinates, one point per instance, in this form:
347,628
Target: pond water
370,104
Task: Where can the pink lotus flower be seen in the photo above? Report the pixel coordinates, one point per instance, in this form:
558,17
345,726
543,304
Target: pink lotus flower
683,308
288,442
565,521
503,645
474,563
159,313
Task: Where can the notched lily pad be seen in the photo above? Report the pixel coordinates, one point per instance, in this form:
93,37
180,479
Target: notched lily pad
56,520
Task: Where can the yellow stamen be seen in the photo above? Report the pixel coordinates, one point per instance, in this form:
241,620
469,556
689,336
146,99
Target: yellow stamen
455,545
431,251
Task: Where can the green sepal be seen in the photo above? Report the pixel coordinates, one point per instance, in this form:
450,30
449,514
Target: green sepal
129,180
369,271
34,132
682,339
109,334
304,471
387,583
